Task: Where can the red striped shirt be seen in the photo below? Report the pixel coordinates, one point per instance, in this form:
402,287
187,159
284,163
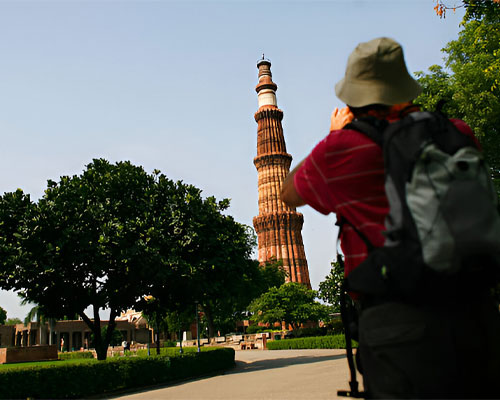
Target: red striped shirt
344,174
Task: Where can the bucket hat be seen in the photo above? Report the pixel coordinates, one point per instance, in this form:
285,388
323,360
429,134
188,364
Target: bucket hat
376,73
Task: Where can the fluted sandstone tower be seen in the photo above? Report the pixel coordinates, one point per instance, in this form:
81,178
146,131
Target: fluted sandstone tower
278,226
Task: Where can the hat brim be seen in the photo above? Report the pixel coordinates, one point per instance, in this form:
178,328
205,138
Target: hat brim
364,93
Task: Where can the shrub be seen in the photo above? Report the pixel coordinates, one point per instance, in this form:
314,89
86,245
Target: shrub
75,354
321,342
307,332
335,327
100,377
255,329
258,329
172,351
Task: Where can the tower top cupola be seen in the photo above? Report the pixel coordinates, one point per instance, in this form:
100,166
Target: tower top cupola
266,88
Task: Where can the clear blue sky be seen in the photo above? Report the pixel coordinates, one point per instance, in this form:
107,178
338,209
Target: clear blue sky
170,85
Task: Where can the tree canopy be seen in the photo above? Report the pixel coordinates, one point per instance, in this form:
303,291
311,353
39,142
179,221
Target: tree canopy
469,83
13,321
254,280
221,277
114,234
221,265
35,313
292,303
3,316
167,319
330,290
100,239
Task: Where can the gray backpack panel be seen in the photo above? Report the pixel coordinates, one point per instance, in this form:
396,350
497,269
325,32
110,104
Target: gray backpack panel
453,204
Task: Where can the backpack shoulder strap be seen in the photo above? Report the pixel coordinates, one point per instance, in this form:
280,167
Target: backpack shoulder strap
371,127
423,126
342,222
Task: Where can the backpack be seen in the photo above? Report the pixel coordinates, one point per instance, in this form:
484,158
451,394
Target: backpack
443,220
443,225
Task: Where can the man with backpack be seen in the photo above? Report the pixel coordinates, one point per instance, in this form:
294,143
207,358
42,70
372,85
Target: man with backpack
419,229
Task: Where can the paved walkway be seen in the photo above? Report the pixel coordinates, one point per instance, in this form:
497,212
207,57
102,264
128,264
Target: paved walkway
279,374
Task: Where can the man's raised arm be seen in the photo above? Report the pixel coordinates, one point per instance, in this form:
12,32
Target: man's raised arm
289,194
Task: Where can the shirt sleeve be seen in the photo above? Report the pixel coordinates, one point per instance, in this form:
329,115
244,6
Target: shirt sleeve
310,180
344,168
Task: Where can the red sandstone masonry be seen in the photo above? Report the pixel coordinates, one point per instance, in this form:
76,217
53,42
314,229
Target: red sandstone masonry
31,353
278,226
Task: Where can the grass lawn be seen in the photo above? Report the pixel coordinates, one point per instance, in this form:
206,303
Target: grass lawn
164,351
83,378
171,351
4,367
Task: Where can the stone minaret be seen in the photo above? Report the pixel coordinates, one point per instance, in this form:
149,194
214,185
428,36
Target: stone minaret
278,226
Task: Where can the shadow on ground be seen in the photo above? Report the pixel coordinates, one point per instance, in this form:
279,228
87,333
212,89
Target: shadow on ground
242,367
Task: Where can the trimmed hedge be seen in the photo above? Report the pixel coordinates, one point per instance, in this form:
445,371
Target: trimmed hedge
75,354
171,351
318,342
100,377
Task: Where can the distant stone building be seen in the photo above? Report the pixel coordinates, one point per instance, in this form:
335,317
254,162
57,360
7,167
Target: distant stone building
7,335
75,333
278,226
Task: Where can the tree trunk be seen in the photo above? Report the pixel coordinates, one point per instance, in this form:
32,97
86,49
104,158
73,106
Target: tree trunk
95,327
98,342
101,344
210,321
109,334
180,341
157,334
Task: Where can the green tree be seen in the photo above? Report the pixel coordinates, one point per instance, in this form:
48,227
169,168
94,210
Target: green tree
13,321
255,280
470,81
155,315
221,277
226,296
180,321
292,303
223,309
163,319
100,239
271,274
478,9
3,316
220,260
38,314
116,336
330,290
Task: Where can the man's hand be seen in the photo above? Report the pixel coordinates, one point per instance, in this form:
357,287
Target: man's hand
289,195
340,118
